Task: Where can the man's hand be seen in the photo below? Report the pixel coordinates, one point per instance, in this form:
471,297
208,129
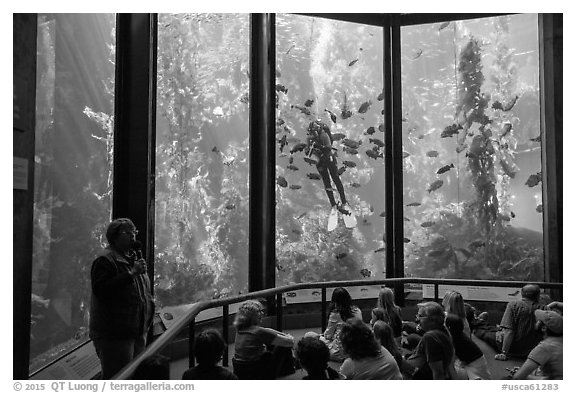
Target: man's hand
501,356
139,267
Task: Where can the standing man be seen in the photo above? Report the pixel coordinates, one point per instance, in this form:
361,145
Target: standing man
433,358
121,306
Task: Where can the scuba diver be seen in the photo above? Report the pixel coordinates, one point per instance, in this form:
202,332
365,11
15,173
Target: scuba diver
321,153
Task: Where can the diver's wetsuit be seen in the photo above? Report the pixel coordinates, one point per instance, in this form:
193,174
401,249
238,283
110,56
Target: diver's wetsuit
328,167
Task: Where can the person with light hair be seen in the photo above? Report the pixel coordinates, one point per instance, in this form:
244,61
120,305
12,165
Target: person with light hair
433,357
259,352
453,303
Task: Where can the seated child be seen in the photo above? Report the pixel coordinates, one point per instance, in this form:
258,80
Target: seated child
313,355
155,367
208,349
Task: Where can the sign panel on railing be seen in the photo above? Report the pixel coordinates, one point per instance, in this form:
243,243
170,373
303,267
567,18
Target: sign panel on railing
491,294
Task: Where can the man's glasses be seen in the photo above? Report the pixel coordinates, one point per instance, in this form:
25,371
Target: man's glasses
131,233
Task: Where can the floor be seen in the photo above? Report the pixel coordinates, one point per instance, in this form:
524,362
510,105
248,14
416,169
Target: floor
497,368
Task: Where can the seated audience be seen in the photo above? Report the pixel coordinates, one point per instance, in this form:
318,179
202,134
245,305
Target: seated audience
367,359
340,309
386,302
208,350
548,354
313,355
517,336
260,353
433,358
453,303
385,336
471,358
156,367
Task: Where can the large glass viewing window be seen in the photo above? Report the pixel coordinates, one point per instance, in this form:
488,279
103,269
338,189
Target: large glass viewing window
201,227
472,151
73,174
329,74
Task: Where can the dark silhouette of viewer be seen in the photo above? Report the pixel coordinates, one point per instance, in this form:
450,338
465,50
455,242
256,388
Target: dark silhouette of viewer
313,355
208,350
121,307
155,367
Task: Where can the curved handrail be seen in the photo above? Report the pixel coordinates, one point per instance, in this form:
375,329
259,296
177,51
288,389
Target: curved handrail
191,314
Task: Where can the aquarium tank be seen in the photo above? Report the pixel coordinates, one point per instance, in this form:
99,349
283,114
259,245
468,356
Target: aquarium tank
471,156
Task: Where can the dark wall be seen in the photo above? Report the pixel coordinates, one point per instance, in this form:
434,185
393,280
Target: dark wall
24,70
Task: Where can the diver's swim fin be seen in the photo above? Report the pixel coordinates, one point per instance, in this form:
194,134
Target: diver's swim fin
333,219
349,219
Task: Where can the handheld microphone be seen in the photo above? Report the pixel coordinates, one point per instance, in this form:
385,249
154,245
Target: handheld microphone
137,247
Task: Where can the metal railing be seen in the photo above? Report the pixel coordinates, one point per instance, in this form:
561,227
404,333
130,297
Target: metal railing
188,320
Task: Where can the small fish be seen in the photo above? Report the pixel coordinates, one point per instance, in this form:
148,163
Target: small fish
230,206
349,150
414,204
351,143
445,168
508,170
303,109
421,136
432,153
341,170
435,185
451,130
533,180
406,219
215,149
406,240
292,167
291,159
245,98
280,268
382,127
282,181
295,186
435,253
376,141
404,119
366,222
298,147
443,26
349,164
352,62
310,161
512,214
356,185
380,96
427,224
281,88
338,136
313,176
364,107
280,122
383,214
374,154
302,215
417,54
476,244
505,107
282,142
289,49
380,249
405,154
308,103
332,115
370,131
537,139
507,128
365,272
539,208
